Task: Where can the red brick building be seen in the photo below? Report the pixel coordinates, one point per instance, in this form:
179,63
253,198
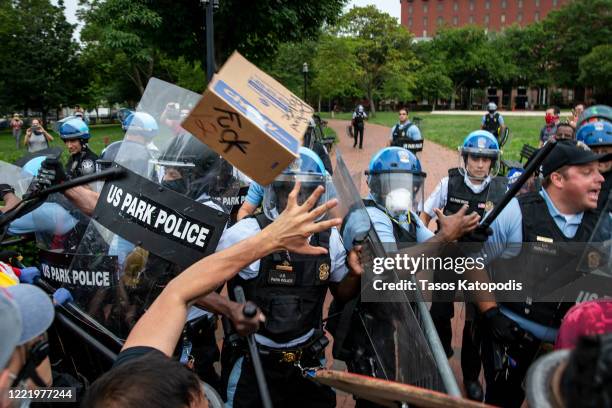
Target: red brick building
424,17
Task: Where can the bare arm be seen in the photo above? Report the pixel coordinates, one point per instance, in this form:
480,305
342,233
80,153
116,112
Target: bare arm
10,202
426,218
84,198
245,210
161,326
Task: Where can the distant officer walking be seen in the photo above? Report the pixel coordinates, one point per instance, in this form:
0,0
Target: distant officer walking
359,116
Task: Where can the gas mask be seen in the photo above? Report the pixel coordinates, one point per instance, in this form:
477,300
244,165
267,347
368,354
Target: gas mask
398,201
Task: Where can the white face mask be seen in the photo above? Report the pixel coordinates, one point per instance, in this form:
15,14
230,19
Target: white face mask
398,201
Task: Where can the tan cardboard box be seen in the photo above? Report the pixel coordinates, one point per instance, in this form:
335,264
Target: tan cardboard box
250,119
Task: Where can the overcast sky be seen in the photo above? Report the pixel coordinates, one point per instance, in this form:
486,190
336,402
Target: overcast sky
388,6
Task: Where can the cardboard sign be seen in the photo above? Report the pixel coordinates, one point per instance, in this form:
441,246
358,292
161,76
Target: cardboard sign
250,119
160,220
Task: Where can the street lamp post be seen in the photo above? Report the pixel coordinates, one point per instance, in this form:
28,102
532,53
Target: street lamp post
305,72
210,42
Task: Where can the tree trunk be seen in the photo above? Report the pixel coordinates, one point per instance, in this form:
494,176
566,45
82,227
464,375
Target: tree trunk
319,103
433,104
371,100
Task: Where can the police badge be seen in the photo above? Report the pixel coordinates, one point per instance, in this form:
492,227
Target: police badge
323,272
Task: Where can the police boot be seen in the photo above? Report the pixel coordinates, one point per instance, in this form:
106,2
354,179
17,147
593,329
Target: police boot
473,390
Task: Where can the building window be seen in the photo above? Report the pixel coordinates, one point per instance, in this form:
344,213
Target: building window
455,20
425,22
555,3
519,17
424,33
425,7
537,3
440,21
409,8
504,4
471,5
488,4
455,6
440,6
519,3
410,22
486,20
471,19
536,16
502,18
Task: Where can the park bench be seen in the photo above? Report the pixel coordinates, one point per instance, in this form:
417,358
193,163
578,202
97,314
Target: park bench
526,152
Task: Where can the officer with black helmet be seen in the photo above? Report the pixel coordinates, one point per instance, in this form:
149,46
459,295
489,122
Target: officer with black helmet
545,222
75,134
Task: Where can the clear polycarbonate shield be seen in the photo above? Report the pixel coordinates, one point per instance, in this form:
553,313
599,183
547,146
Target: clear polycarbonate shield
167,213
15,177
378,338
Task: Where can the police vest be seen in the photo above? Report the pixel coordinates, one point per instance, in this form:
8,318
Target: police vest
81,164
549,258
290,289
604,194
459,194
491,123
401,138
358,119
401,234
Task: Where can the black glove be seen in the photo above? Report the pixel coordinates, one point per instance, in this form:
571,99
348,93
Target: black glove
5,189
51,173
503,329
479,235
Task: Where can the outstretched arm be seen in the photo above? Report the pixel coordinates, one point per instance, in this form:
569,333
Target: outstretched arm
161,326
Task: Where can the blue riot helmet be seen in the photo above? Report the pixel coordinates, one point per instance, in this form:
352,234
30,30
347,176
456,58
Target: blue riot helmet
595,134
480,143
140,124
595,113
309,170
74,128
396,180
107,157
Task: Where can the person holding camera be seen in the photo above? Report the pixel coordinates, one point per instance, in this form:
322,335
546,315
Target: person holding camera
37,138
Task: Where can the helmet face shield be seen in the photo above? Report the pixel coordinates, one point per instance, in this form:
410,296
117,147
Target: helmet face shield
475,172
398,192
276,193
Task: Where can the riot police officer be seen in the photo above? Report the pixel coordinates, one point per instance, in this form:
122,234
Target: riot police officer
598,136
358,122
290,289
75,134
406,134
475,184
396,181
563,211
492,121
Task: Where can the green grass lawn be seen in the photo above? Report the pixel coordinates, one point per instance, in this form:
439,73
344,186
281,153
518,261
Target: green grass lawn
99,133
450,130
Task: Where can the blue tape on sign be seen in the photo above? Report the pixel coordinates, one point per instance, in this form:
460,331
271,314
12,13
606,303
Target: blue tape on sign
243,106
277,100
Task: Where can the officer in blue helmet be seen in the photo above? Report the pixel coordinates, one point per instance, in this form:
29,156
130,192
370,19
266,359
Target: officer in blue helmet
290,289
140,129
476,184
406,134
396,181
598,136
75,134
595,113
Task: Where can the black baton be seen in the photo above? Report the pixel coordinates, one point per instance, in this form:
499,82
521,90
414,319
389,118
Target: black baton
250,310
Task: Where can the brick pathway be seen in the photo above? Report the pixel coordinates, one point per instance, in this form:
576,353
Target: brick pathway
435,161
